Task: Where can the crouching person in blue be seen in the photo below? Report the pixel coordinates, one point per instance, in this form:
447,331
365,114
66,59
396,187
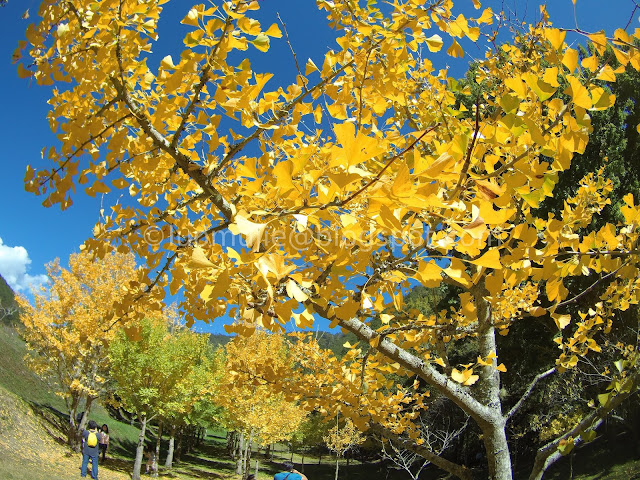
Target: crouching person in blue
289,473
90,450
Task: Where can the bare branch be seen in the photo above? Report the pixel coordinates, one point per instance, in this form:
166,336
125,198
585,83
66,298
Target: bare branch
528,391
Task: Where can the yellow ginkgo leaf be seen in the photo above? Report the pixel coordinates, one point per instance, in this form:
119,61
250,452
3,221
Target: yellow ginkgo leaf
199,259
561,320
455,50
252,231
434,43
578,92
491,259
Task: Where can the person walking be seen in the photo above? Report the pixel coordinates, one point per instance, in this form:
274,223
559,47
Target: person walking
289,473
90,450
104,441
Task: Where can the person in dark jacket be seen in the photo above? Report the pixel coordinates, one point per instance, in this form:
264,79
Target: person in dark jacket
90,452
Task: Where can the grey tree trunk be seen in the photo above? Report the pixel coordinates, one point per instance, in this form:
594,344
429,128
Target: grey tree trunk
72,435
137,465
169,461
85,417
493,424
157,457
246,466
240,454
337,466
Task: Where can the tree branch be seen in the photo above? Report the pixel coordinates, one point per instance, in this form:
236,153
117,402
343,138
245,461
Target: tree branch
528,391
391,160
460,471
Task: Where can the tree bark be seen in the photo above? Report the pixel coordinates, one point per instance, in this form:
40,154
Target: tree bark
85,418
240,454
169,461
137,465
247,456
178,451
493,424
337,466
157,459
72,431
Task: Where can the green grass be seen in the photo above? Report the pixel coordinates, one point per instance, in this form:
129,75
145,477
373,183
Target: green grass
16,377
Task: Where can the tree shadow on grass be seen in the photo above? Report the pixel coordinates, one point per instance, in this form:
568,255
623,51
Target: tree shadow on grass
204,459
117,464
55,421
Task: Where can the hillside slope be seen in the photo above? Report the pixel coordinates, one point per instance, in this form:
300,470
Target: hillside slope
8,312
32,448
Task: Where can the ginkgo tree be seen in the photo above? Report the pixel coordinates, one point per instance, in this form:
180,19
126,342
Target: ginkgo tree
349,186
250,395
149,367
67,328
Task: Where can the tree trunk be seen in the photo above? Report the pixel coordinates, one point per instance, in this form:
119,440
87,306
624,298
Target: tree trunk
247,456
240,454
257,467
169,462
137,465
494,436
178,452
85,418
72,435
493,423
337,466
157,458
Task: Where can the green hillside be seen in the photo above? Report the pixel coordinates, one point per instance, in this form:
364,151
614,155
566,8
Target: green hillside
7,304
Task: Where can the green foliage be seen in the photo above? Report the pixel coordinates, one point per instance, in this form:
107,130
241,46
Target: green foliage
152,373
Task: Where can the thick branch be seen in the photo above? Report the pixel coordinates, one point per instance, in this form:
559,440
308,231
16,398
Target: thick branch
190,168
457,393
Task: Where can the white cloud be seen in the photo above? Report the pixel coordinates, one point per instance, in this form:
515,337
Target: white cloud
14,263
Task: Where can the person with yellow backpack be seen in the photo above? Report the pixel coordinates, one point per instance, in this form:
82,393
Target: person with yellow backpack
90,450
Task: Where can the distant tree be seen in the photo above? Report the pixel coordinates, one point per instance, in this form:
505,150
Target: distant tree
67,328
151,368
252,404
342,438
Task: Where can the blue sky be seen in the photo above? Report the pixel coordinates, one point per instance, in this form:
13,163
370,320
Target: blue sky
31,235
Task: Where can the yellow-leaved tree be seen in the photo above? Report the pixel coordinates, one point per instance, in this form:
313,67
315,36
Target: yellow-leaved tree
67,328
254,407
361,179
